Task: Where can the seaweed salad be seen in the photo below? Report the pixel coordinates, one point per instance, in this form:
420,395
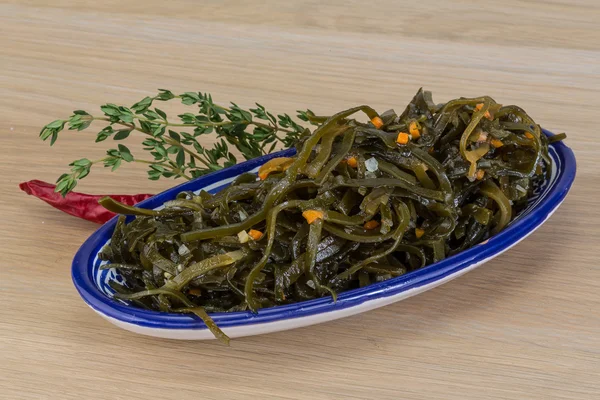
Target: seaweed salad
360,202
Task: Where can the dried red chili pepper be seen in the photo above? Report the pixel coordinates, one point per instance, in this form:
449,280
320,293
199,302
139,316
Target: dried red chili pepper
81,205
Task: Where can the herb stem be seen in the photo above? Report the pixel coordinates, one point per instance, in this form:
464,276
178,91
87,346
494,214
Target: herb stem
98,160
149,162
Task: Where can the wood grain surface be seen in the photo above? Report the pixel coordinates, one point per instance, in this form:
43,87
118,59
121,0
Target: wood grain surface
524,326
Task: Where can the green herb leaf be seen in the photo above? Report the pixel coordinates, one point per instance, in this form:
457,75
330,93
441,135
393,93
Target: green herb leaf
110,110
125,153
180,159
151,115
83,162
162,114
175,136
146,126
58,124
54,137
158,131
173,149
160,149
116,164
190,98
164,95
122,134
142,105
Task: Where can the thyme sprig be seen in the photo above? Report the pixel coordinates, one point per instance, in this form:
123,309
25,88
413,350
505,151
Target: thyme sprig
173,143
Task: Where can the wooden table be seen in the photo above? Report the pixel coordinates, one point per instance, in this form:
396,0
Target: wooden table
524,326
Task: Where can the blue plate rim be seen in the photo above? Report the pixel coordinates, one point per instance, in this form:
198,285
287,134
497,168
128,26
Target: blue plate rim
82,266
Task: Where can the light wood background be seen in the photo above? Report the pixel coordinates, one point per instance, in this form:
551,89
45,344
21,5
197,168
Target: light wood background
524,326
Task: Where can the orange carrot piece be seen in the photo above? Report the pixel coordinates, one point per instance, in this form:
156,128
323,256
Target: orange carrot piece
371,224
254,234
377,122
496,143
413,129
312,215
402,138
487,114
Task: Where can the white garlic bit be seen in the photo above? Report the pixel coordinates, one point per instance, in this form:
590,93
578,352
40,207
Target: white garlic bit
371,164
183,250
243,237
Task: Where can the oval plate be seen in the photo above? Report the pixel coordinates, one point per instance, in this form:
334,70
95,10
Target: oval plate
92,283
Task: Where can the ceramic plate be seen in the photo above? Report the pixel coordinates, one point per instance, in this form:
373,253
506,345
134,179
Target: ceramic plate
92,283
